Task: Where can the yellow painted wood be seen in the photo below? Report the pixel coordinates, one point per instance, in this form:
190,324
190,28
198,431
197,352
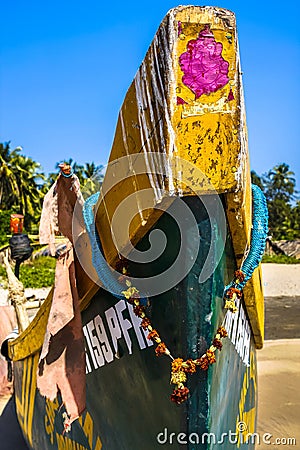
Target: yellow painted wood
254,301
31,340
209,130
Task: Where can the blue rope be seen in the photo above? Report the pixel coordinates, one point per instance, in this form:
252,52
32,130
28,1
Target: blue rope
259,234
258,239
104,272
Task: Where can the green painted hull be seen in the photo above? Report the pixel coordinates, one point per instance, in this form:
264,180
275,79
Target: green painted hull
128,387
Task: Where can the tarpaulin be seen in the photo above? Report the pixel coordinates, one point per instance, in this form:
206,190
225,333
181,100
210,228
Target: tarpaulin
62,359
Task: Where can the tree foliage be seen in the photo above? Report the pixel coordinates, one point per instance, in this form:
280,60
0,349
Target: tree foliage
23,186
20,184
279,187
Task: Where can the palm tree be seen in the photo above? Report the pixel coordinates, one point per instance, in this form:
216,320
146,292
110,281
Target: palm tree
20,189
93,179
8,182
280,191
280,183
90,170
28,180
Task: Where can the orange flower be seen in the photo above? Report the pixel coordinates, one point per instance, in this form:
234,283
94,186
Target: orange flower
189,366
153,334
231,291
145,323
138,310
177,365
217,343
203,362
160,349
180,395
239,275
211,356
222,332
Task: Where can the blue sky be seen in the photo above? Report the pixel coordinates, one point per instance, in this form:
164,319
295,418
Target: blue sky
66,66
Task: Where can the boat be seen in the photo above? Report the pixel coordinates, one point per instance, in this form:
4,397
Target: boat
177,204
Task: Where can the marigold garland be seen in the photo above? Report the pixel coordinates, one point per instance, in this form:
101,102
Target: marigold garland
179,367
232,291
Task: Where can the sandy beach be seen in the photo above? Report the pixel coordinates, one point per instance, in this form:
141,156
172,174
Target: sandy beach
279,360
278,393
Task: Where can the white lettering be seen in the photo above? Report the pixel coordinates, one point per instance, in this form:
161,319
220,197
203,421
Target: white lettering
266,438
234,436
88,368
181,436
246,352
221,440
240,333
196,441
211,438
141,334
171,437
96,344
125,324
235,322
252,438
238,329
102,336
114,327
164,434
87,338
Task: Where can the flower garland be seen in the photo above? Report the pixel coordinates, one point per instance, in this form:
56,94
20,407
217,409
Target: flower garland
179,367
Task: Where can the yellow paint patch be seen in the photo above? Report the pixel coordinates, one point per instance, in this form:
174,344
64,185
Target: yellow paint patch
25,398
207,129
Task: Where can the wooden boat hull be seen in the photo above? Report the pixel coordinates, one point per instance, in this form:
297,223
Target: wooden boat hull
128,387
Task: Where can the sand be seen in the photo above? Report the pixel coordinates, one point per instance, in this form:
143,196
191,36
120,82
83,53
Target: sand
279,392
279,360
281,280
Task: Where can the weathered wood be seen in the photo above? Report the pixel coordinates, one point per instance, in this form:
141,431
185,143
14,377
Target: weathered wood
161,114
169,125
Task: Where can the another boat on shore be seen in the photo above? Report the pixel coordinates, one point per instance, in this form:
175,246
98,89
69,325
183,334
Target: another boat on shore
176,203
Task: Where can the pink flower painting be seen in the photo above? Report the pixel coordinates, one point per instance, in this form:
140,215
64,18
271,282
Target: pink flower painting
204,68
